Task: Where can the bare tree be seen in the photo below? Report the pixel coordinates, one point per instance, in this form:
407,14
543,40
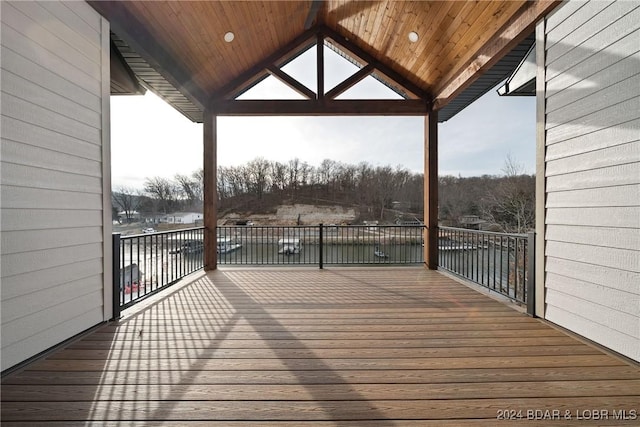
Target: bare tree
127,199
197,184
162,190
259,177
511,203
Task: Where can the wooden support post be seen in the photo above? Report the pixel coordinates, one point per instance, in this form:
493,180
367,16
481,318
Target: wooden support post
210,190
431,190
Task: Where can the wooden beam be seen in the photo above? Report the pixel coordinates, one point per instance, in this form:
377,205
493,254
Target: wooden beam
507,38
350,82
210,190
431,190
129,28
381,68
320,65
259,72
314,9
291,82
323,107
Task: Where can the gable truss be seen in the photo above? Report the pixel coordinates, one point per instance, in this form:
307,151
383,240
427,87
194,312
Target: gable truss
225,102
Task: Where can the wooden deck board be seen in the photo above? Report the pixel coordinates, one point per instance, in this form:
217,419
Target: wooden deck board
353,347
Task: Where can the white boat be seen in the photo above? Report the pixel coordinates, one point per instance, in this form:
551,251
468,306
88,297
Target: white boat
226,245
447,244
192,246
289,246
380,254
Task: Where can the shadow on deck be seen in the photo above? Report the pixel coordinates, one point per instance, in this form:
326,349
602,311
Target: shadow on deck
369,347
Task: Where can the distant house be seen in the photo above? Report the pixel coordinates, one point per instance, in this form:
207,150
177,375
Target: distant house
133,216
182,218
473,222
400,206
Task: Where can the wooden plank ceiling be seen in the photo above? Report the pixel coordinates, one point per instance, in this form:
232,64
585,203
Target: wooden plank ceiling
185,40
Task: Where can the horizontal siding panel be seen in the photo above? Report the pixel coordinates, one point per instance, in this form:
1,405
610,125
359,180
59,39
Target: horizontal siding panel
37,198
605,316
28,133
28,326
575,23
85,12
34,280
602,177
622,280
614,299
580,82
620,238
622,343
31,219
35,13
73,20
14,353
14,242
15,85
607,157
29,155
624,195
17,42
31,113
612,95
561,13
14,264
595,16
30,304
54,44
618,114
41,76
621,259
624,217
51,216
601,41
27,176
596,140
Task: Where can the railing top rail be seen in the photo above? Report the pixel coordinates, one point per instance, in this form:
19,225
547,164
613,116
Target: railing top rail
491,233
324,225
157,233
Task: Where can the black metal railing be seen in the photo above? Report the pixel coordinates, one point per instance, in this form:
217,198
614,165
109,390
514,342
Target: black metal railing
320,245
146,263
501,262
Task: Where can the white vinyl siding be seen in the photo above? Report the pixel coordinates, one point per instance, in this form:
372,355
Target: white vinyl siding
52,170
592,169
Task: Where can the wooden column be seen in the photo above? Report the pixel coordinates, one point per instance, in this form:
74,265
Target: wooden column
210,190
431,189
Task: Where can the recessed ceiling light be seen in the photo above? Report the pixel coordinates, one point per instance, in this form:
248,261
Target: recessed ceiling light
229,36
413,37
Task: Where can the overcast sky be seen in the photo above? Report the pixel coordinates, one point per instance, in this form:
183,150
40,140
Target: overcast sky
149,138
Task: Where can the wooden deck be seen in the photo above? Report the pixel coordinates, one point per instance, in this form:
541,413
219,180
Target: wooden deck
366,347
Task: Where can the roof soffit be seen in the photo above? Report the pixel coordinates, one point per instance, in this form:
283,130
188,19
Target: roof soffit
184,40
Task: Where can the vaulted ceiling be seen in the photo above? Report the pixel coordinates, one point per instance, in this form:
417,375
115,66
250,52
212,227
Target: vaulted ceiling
457,40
